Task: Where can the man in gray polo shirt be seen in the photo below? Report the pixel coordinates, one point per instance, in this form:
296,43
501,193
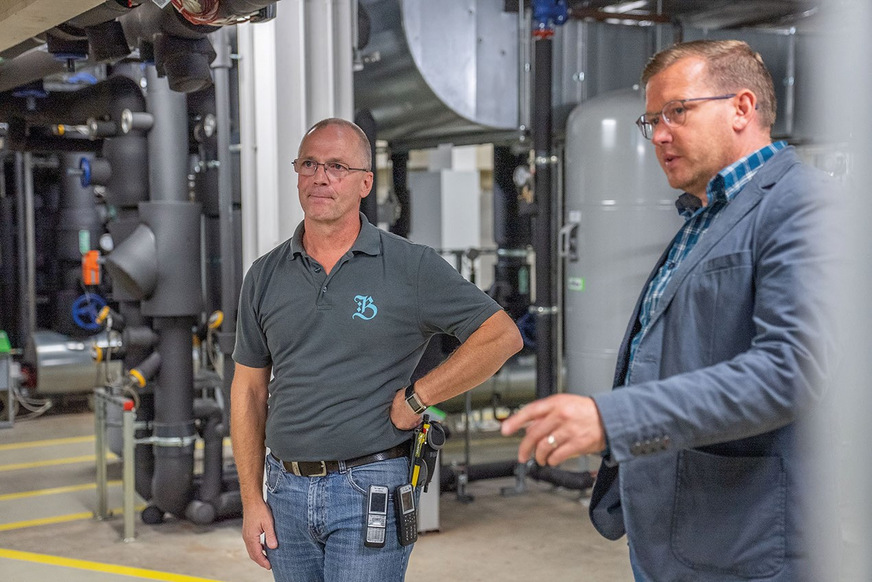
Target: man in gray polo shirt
331,326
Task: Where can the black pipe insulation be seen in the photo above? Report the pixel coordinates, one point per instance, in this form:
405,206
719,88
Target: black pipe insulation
230,282
202,510
400,164
172,484
109,97
369,205
495,470
543,240
567,479
511,287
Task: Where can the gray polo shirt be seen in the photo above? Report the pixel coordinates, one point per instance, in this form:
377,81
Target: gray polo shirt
341,345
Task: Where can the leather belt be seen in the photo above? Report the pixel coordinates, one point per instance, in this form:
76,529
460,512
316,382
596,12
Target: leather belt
321,468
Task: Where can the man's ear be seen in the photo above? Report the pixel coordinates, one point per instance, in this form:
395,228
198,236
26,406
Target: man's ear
366,186
745,109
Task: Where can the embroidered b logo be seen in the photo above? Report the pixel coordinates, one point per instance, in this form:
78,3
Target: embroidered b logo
366,309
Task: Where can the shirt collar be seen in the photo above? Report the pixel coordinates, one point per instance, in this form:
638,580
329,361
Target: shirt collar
368,240
729,181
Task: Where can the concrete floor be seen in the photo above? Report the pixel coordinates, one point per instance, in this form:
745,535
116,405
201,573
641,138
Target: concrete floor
47,529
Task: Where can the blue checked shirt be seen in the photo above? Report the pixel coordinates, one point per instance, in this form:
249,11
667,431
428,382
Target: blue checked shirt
725,186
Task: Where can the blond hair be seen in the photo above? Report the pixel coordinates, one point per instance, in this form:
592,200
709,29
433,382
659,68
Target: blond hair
731,65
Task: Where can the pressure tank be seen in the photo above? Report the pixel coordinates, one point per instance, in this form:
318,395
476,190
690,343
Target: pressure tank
620,215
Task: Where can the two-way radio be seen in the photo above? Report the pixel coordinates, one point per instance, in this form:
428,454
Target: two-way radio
407,514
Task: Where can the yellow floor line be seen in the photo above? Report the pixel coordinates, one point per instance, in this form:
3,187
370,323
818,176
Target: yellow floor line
54,491
75,440
47,443
98,567
46,520
54,462
59,519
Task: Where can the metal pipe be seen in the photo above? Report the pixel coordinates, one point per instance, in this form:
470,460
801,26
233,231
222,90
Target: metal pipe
342,51
26,246
543,241
319,66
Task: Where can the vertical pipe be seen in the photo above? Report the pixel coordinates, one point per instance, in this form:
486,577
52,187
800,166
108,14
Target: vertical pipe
790,84
221,76
173,417
100,452
127,482
369,205
400,165
543,241
319,61
167,141
343,54
523,69
26,247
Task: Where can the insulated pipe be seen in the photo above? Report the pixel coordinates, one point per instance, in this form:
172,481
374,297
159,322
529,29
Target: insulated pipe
495,470
26,247
400,164
545,308
566,479
172,484
369,205
203,510
511,287
167,141
227,228
111,97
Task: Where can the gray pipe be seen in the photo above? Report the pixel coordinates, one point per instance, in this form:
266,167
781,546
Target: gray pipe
109,97
172,484
167,141
227,228
27,246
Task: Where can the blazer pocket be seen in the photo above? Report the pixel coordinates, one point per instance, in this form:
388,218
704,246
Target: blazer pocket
729,514
733,260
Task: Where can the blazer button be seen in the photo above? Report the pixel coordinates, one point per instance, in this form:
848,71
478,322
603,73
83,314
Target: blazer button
647,447
665,440
636,449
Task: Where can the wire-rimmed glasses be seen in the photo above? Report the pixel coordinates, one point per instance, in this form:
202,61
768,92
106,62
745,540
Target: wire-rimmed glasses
336,170
673,113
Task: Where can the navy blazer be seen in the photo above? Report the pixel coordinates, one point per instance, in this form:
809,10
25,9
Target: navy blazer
705,475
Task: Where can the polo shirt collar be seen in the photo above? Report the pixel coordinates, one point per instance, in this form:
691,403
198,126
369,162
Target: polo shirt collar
368,240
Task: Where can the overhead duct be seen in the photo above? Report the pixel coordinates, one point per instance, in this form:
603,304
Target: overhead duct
439,95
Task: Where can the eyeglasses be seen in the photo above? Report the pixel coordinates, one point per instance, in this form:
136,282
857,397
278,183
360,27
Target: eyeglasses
333,169
673,113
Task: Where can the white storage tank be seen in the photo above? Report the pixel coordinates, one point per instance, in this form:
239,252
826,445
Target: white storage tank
625,211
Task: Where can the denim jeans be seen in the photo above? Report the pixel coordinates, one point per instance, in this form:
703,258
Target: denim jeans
319,523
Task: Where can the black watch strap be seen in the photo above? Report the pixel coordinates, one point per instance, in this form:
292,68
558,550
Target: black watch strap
413,401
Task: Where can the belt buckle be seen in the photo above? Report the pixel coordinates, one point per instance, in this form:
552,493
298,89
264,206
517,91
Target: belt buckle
322,473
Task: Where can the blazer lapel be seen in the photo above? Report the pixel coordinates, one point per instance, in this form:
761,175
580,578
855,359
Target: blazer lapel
737,209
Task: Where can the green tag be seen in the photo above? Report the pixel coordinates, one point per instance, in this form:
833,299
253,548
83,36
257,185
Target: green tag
5,348
84,241
575,283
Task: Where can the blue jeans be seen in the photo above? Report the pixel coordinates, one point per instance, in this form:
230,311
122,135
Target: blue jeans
319,523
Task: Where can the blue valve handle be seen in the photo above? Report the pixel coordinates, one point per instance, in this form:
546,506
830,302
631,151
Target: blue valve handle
85,310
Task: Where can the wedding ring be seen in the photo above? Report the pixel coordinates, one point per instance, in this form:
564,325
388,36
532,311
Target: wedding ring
551,441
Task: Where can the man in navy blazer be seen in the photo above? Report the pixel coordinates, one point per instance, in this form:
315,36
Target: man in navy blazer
727,349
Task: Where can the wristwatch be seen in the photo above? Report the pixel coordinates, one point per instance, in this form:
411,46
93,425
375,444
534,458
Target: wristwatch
413,401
